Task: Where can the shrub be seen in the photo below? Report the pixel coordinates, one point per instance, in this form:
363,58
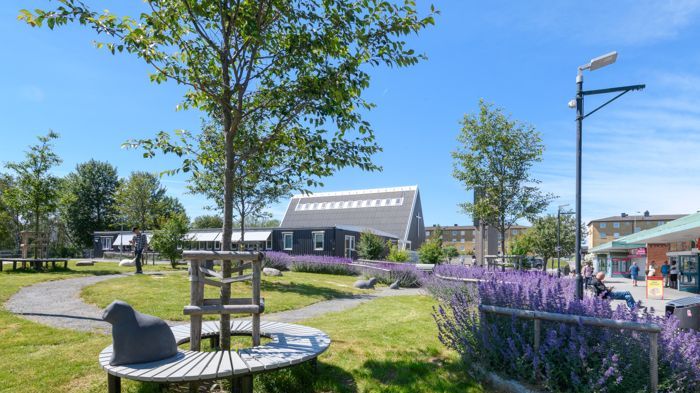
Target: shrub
396,255
322,264
370,246
431,251
277,260
571,357
166,241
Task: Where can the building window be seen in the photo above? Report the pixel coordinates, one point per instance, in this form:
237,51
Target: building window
661,223
318,241
462,233
616,235
515,231
427,233
106,242
268,243
616,224
603,225
288,240
454,233
603,235
637,229
349,245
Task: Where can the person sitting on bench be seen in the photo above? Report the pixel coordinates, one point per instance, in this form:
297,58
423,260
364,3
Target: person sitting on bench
608,293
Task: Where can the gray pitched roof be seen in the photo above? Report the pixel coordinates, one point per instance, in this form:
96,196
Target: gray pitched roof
653,217
388,210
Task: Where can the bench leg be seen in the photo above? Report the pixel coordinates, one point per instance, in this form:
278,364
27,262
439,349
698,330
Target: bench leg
114,384
214,342
65,264
242,384
53,265
314,364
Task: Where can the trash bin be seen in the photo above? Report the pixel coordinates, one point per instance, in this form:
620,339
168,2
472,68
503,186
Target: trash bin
687,310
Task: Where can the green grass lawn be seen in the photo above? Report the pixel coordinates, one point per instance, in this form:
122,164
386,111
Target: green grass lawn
387,345
166,295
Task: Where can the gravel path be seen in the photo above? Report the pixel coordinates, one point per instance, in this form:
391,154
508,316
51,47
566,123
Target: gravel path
58,304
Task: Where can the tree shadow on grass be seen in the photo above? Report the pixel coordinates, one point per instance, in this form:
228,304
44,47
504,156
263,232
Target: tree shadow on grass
305,289
418,370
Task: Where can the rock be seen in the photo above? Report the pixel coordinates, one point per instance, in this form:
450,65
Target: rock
136,337
126,262
394,285
366,284
270,271
85,263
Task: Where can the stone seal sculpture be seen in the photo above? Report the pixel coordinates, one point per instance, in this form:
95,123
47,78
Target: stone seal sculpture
366,284
394,285
136,337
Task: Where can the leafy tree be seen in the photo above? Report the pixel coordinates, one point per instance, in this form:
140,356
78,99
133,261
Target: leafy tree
396,254
10,220
431,251
543,235
167,241
207,221
521,244
450,252
297,67
264,220
141,201
35,195
88,200
494,159
370,246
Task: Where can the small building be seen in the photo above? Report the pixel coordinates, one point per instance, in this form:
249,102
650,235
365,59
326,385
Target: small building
463,237
674,241
395,212
604,230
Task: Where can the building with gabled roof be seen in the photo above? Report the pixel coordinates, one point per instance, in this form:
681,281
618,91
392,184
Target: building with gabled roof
394,212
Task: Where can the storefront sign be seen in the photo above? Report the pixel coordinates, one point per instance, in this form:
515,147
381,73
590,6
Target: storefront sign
655,288
640,252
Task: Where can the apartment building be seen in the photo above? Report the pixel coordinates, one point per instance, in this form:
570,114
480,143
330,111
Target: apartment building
604,230
463,237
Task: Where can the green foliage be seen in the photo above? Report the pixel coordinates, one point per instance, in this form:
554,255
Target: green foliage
370,246
35,194
88,200
141,201
521,244
396,255
10,222
543,235
207,221
284,79
166,241
431,251
450,252
494,158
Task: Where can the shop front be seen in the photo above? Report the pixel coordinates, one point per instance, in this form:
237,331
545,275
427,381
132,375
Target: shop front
689,277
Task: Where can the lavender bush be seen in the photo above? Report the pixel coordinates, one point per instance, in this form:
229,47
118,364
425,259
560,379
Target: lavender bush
322,264
571,358
277,260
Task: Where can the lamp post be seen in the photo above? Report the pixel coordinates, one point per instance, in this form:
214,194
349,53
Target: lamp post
559,214
594,64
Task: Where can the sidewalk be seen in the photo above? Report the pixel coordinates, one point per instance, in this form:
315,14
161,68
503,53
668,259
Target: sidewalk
639,293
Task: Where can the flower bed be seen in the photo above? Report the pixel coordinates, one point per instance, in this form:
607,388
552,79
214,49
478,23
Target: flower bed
405,273
322,264
571,358
277,260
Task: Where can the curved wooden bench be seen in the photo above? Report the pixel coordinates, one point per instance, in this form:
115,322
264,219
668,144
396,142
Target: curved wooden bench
291,344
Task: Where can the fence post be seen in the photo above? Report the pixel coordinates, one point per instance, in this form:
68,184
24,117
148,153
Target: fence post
653,361
536,346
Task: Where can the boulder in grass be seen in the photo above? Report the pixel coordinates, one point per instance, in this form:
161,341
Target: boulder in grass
85,263
127,263
394,285
269,271
366,284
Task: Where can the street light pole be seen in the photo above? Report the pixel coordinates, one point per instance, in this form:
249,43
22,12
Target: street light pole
593,65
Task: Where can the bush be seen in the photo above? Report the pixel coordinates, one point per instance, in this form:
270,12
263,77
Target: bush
370,246
571,357
322,264
166,241
277,260
431,251
396,255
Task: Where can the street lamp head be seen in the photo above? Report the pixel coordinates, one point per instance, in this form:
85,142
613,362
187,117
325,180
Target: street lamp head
602,61
572,104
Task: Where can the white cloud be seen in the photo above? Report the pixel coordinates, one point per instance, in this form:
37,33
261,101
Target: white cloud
32,93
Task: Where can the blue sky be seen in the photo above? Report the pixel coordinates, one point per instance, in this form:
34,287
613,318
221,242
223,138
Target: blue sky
640,153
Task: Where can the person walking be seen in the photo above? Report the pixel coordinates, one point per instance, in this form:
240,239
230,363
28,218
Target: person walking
608,293
652,269
665,271
634,273
587,274
140,242
673,275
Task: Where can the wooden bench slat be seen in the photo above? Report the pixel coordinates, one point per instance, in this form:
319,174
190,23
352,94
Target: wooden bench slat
239,366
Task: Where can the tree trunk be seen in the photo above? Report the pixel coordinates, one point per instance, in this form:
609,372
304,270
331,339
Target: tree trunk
228,186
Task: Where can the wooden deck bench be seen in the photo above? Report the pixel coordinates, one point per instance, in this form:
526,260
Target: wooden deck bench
36,263
291,345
